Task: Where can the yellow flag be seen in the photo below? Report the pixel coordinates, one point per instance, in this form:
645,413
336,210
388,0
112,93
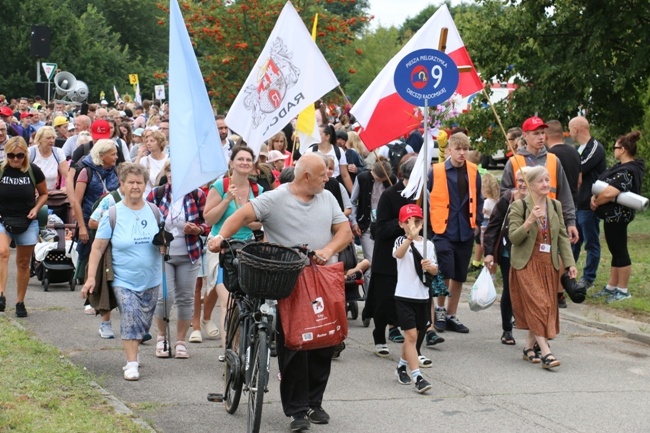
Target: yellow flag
306,126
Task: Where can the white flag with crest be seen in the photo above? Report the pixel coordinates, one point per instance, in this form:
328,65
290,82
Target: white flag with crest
289,74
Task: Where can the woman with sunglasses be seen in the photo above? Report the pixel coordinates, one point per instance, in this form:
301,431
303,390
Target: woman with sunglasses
19,182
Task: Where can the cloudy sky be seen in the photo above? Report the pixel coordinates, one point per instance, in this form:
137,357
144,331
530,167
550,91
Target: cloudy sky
393,12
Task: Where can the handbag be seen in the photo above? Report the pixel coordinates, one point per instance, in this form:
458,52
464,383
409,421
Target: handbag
483,294
56,198
15,224
314,316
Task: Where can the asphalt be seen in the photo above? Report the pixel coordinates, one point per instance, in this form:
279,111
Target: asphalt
479,385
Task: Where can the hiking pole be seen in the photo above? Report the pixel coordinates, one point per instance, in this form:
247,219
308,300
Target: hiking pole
163,239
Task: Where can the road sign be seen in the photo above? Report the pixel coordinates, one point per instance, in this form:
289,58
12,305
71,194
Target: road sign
160,91
426,74
50,69
133,79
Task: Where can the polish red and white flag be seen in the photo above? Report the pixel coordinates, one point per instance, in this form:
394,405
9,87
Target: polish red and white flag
382,113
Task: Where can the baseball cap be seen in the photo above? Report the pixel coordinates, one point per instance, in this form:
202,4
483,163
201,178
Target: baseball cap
138,132
276,155
100,129
533,123
342,135
409,210
103,102
59,120
6,111
264,150
25,114
71,127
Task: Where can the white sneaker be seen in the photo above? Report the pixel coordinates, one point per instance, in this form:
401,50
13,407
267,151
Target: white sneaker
131,371
381,350
106,330
89,310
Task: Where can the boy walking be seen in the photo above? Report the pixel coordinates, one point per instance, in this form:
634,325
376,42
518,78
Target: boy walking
412,300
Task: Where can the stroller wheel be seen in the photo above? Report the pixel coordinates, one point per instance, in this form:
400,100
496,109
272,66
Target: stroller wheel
72,283
46,284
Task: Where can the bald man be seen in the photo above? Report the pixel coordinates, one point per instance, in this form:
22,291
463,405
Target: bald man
592,164
81,123
304,373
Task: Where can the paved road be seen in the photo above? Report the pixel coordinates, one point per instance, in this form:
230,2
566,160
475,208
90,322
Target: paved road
479,385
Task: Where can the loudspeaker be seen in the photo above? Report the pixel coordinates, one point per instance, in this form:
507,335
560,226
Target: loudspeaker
40,41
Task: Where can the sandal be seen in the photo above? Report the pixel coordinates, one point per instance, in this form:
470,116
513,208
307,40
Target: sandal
160,348
195,336
507,338
131,371
531,358
381,350
549,361
424,362
181,350
210,329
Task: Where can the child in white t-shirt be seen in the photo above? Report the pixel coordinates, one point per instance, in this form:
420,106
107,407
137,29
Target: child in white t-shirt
412,299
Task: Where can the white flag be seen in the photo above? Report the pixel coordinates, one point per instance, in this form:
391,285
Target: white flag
290,74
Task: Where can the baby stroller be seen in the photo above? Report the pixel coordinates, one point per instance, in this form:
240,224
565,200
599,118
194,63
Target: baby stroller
54,266
352,282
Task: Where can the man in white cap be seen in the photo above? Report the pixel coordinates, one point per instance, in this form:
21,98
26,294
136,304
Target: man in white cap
81,123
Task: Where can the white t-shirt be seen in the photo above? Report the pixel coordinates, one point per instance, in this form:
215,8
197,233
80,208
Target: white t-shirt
342,160
154,166
49,165
409,284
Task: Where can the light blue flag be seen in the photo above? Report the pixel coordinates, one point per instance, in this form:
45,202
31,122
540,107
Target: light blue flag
195,148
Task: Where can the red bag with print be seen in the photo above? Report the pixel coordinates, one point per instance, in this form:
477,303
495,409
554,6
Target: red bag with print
314,316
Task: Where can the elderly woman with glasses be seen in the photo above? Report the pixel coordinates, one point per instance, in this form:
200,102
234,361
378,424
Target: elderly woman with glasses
19,182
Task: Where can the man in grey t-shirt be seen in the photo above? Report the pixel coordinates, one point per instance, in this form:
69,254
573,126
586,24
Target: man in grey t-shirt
299,213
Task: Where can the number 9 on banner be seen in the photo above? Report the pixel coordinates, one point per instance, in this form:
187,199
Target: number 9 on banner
426,74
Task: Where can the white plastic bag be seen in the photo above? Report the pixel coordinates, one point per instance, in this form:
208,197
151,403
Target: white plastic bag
483,293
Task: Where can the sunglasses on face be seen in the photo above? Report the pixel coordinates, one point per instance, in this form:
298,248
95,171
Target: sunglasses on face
15,155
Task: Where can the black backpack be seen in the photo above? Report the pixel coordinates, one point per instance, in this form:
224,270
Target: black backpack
396,152
337,151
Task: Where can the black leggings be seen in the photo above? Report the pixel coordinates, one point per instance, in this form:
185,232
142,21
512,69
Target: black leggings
506,305
616,237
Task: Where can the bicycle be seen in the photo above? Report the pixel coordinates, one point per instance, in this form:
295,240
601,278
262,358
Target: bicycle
255,279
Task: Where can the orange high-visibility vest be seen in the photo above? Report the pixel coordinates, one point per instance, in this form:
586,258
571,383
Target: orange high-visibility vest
551,167
439,197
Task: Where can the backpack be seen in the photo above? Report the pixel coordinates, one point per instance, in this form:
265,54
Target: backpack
337,151
112,214
396,152
86,147
226,183
32,155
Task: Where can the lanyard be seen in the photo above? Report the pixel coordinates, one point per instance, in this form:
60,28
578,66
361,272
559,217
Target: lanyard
544,227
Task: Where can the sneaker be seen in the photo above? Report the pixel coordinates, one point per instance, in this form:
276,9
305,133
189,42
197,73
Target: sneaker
432,338
402,376
106,330
146,337
337,352
354,276
453,324
395,335
381,350
473,268
89,310
317,415
440,319
604,292
299,422
20,310
3,303
421,385
584,284
618,295
561,300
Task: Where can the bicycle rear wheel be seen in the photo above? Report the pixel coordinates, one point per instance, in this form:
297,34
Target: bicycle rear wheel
233,377
258,380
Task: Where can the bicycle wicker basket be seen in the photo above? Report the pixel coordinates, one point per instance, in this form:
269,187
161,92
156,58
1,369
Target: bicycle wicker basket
268,270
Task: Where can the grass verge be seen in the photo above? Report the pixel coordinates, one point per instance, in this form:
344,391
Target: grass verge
42,392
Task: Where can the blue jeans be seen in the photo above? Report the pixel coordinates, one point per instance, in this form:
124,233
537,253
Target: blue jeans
589,229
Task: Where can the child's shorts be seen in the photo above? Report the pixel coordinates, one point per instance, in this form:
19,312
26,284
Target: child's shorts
413,313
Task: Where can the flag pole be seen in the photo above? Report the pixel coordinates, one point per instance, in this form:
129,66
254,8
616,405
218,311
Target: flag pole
425,164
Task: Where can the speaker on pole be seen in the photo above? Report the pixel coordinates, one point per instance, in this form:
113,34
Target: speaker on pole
40,41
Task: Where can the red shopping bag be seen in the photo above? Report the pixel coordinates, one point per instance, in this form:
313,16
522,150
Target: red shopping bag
314,316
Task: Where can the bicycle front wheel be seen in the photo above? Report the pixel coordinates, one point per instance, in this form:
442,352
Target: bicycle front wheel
233,376
259,378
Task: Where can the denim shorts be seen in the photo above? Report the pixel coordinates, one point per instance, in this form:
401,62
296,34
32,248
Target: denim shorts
29,237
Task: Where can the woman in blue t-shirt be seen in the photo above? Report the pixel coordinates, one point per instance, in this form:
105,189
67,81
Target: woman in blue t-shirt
19,181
